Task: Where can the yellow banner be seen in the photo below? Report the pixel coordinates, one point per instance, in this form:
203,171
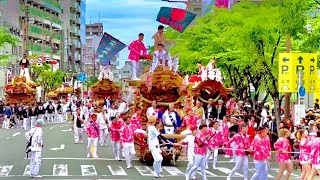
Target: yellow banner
318,83
286,73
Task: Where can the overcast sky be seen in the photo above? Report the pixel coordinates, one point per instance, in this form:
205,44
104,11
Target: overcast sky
125,19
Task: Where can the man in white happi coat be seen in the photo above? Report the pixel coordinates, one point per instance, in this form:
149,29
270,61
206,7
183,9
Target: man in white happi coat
152,111
112,113
102,119
171,120
36,137
161,58
214,73
122,106
24,69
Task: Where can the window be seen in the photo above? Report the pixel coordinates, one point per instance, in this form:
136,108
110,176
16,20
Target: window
125,72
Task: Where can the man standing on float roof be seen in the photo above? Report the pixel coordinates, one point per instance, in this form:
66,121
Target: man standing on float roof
137,49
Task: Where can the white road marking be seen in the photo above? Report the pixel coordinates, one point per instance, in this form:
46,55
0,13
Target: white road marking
60,169
5,170
144,170
27,170
8,138
208,173
117,171
228,171
56,148
173,171
277,170
51,128
66,130
88,170
16,134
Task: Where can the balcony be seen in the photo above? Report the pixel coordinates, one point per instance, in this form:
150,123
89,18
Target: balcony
76,43
38,48
75,5
75,30
53,3
38,32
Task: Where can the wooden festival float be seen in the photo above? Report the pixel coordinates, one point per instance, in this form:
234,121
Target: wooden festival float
62,92
21,91
164,86
103,89
167,87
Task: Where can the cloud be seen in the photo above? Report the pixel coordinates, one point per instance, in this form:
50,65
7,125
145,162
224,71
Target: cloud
125,19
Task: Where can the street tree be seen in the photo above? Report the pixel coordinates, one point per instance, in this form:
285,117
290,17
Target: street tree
7,39
246,41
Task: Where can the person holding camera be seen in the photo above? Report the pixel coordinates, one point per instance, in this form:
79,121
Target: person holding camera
242,141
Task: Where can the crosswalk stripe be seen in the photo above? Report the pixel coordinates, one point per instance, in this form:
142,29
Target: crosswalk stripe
5,170
254,170
173,171
144,170
228,171
117,170
88,170
60,169
27,170
208,173
277,170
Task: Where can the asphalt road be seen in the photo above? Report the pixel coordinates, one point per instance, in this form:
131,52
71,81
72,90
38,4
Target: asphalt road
68,160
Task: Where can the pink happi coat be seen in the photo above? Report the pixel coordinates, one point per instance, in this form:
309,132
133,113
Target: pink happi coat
215,138
305,150
282,145
115,129
261,148
135,122
137,48
315,152
201,137
189,121
126,133
243,143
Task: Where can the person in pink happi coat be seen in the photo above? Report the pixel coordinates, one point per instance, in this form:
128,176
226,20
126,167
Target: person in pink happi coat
126,140
315,152
225,130
215,137
242,141
115,126
93,132
136,119
283,148
137,49
305,150
262,153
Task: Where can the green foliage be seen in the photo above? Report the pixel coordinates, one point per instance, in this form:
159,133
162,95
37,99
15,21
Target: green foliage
7,38
91,81
44,76
246,41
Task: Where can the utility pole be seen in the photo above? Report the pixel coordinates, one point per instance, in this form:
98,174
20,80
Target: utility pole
25,28
68,50
51,44
61,62
94,62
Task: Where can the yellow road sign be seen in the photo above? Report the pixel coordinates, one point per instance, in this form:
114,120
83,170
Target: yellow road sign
286,81
290,64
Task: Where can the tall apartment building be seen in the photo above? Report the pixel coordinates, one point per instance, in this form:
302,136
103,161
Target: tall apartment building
41,21
73,18
95,29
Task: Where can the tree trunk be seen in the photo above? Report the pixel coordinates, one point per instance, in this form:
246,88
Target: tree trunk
276,101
